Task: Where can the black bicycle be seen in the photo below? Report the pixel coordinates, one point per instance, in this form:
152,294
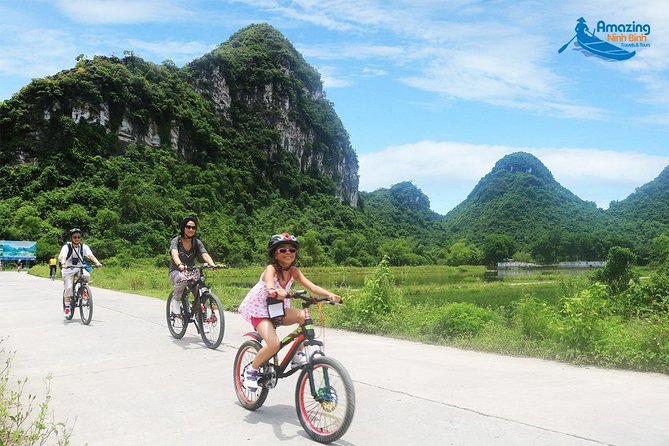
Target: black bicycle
82,297
324,394
204,310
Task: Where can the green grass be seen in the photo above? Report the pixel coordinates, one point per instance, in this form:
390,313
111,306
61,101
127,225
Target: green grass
431,285
552,316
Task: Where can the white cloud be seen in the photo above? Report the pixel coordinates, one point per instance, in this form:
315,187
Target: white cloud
35,53
448,171
357,51
122,11
466,51
331,79
373,72
177,51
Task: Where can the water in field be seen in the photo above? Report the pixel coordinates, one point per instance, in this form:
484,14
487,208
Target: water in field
500,274
436,285
342,277
435,275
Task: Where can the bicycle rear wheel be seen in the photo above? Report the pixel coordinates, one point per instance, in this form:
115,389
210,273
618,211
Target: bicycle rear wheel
176,323
244,357
86,304
212,322
327,414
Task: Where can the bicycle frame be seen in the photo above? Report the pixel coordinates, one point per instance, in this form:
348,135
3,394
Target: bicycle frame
81,298
78,282
197,288
203,309
302,335
324,393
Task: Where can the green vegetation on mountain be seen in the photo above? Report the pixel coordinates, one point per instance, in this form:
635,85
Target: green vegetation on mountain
645,216
649,203
245,138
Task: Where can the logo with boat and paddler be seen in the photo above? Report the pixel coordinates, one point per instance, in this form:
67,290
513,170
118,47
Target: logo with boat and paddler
616,41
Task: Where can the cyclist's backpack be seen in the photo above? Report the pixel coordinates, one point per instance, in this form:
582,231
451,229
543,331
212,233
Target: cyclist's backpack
80,254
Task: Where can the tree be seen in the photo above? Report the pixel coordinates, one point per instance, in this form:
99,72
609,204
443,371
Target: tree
546,248
461,253
497,247
311,251
659,249
618,273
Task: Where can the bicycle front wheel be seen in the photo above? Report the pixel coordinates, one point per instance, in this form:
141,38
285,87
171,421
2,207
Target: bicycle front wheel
210,317
325,414
176,322
86,304
244,357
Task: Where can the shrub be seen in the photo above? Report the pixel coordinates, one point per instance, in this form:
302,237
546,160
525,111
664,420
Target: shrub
535,318
584,321
19,424
618,273
375,305
639,344
647,297
462,319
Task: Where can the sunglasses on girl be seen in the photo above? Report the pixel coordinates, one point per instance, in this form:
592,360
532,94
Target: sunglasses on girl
285,250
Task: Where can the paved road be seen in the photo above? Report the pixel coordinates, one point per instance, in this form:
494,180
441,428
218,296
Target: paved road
123,380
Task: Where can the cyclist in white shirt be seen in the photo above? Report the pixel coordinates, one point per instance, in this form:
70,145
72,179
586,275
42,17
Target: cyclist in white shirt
72,254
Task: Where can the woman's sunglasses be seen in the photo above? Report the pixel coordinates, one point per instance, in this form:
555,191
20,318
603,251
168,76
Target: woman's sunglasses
285,250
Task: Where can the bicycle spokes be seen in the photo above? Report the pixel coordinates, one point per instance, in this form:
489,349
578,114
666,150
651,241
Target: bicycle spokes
175,317
211,320
250,400
325,400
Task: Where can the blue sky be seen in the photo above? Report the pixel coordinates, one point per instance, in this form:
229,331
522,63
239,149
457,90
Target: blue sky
430,91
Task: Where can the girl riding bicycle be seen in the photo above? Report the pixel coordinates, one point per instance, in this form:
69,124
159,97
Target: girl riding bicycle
271,293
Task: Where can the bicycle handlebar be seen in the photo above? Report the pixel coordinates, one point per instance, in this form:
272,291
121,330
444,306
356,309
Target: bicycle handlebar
83,266
302,294
203,267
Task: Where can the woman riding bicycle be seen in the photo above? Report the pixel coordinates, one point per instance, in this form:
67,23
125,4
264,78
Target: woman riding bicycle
185,249
276,282
72,254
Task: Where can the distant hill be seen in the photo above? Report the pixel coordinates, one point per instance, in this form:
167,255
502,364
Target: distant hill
404,210
645,213
521,199
648,203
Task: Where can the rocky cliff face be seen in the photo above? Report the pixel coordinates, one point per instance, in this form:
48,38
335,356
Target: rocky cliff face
287,94
254,84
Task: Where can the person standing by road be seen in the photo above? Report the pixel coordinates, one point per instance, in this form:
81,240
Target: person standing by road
52,267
